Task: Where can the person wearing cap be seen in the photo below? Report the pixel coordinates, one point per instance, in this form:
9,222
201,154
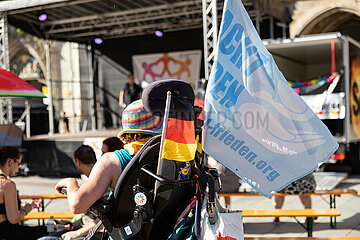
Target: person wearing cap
138,127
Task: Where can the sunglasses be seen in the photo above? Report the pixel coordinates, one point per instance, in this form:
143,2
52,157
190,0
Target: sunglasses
18,162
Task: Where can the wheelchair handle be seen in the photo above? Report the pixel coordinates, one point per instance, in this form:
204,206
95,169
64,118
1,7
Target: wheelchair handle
167,181
63,190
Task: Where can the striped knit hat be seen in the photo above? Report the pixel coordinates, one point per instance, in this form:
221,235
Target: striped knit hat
136,119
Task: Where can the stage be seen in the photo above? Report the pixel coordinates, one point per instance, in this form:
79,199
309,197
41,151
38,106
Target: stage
52,155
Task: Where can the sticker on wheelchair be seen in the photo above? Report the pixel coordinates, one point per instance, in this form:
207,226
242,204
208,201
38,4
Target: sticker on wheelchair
184,172
128,230
140,199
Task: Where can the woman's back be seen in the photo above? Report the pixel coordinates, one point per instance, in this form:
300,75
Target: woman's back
2,198
8,191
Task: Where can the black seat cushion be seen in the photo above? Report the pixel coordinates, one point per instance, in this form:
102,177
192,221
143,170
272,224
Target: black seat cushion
155,94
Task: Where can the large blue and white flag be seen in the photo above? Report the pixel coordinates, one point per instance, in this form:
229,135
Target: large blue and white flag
255,123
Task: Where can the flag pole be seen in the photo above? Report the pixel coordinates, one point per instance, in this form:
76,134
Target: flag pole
165,122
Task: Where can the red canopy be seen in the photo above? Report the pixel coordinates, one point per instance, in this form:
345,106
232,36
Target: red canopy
13,86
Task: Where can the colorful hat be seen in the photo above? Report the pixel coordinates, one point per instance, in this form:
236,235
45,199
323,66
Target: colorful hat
136,119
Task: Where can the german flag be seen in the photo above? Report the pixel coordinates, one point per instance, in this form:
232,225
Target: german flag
179,143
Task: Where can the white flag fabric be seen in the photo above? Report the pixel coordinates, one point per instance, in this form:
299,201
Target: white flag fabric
255,123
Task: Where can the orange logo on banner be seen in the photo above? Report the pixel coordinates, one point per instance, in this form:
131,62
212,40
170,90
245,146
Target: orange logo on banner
224,238
165,60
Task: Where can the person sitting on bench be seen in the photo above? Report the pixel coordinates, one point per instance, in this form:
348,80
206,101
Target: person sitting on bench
138,127
303,185
85,160
11,211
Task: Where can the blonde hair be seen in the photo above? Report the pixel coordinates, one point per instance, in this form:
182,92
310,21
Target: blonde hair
132,137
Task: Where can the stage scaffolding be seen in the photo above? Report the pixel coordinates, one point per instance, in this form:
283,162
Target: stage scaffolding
111,19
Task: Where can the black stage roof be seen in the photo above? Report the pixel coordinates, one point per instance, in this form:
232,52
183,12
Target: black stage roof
126,26
83,20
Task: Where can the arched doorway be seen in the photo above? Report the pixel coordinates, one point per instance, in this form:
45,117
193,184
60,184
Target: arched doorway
26,55
344,20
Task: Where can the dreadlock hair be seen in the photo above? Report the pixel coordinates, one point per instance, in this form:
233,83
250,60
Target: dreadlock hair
131,137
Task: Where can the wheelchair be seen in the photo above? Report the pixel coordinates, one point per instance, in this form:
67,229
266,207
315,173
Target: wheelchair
140,208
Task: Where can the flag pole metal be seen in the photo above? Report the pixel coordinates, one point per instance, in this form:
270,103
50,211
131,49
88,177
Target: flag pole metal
163,133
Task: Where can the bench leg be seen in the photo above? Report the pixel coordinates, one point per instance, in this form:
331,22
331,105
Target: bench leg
309,226
333,205
43,209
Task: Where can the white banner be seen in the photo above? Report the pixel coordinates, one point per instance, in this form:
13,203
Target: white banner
184,65
255,123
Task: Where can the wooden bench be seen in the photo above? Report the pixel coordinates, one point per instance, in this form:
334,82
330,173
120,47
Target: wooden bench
302,238
308,213
48,215
42,197
333,193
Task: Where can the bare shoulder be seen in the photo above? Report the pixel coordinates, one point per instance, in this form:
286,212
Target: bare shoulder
108,163
9,186
101,177
109,158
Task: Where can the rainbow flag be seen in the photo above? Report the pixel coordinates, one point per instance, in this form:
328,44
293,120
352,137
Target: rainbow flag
179,142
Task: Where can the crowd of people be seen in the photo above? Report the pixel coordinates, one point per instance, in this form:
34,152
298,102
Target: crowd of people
138,126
